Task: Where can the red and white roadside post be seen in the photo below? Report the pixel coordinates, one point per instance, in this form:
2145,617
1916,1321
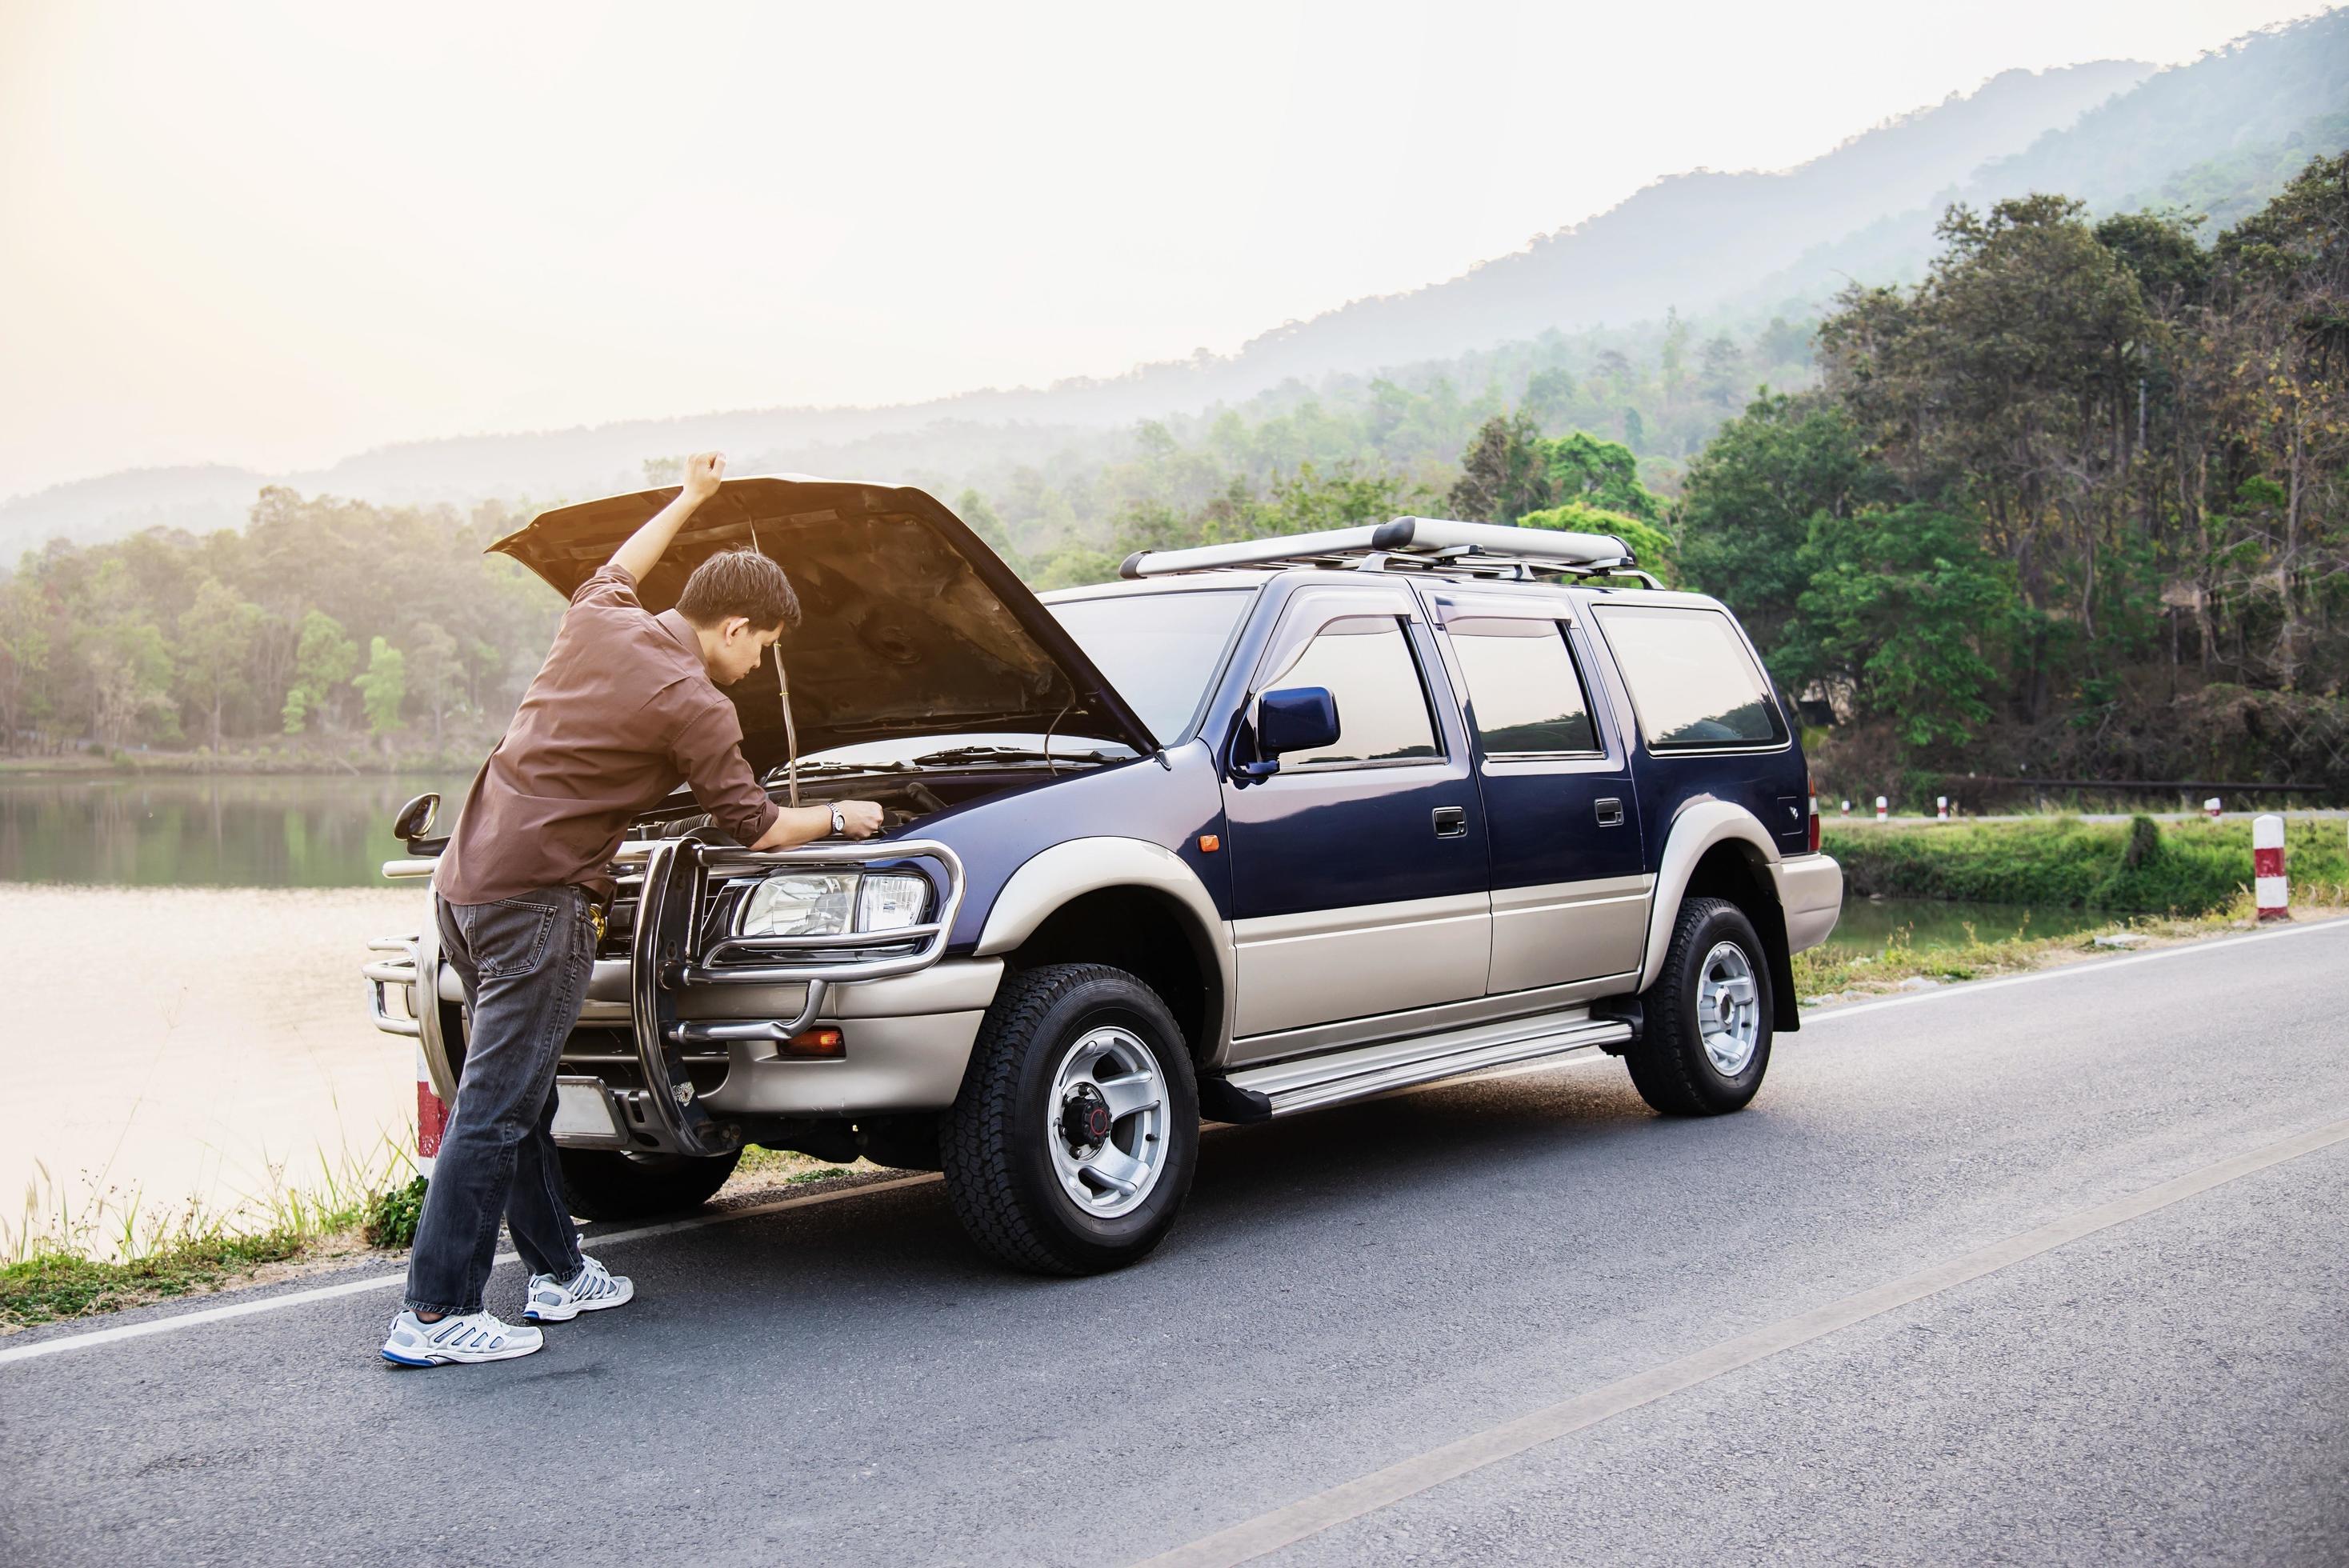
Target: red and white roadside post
2269,890
1940,808
432,1117
2212,809
1883,808
1847,807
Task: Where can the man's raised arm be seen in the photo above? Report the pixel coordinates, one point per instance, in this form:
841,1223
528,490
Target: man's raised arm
644,547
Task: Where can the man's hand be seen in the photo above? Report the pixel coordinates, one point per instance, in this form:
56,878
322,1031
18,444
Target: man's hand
703,470
797,825
643,550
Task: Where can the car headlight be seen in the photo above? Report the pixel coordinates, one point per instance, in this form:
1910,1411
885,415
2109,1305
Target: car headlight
891,901
801,904
820,904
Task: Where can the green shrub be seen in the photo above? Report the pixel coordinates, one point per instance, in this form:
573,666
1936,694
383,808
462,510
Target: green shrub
392,1214
2062,863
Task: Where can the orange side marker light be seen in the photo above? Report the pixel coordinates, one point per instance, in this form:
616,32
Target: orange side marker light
1209,843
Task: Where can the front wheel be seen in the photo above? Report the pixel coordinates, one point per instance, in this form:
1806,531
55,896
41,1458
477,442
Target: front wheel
1071,1145
1706,1043
605,1184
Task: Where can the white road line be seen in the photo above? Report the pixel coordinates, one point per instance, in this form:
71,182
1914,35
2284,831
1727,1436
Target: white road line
1310,1516
384,1282
380,1282
2093,966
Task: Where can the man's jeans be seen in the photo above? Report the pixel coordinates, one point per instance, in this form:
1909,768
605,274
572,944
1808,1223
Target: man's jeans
525,962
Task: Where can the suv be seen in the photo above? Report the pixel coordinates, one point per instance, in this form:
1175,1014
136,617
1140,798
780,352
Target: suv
1262,827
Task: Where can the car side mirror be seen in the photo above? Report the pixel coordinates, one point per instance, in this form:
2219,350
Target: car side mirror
1298,719
415,820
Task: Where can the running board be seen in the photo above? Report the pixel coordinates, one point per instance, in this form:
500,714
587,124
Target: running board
1307,1083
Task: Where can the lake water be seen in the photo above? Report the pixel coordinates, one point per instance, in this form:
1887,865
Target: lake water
1868,926
200,831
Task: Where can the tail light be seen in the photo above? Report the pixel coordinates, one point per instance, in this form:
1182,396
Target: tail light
1813,786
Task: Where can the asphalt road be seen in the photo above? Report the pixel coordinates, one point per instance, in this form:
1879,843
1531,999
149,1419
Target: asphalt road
2089,1233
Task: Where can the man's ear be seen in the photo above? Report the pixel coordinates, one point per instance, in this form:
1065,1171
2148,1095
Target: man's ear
734,626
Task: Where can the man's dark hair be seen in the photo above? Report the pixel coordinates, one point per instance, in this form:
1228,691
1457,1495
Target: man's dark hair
739,583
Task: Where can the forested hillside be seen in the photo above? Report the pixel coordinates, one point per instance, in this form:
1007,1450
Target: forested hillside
1727,251
2076,504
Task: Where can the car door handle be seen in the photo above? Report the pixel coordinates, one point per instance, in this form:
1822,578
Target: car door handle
1610,812
1452,822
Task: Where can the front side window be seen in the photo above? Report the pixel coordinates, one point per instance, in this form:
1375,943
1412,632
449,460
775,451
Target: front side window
1523,690
1366,663
1691,678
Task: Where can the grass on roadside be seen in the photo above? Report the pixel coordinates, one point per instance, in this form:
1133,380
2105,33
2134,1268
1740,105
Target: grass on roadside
119,1250
1839,973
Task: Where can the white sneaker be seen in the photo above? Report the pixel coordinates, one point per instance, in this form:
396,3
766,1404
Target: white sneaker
476,1337
594,1289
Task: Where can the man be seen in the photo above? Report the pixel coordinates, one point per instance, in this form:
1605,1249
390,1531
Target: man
626,706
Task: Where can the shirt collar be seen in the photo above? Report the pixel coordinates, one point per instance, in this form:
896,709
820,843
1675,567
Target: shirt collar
675,623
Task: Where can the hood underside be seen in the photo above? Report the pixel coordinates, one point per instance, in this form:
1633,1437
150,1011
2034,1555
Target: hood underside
910,625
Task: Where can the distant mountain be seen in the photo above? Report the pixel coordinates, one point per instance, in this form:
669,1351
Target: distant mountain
1707,243
2218,136
1692,239
199,498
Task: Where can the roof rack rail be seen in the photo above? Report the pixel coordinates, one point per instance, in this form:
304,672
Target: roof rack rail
1408,543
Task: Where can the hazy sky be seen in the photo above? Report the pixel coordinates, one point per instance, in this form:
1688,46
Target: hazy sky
274,234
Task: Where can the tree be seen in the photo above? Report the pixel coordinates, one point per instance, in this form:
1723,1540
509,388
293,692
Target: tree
438,677
217,634
322,660
383,688
1904,609
1503,474
1585,468
23,658
1750,499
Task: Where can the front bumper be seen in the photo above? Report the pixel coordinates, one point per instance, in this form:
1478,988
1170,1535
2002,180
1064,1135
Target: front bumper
684,1050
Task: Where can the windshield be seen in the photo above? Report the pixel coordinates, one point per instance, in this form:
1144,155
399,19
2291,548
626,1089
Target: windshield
1159,650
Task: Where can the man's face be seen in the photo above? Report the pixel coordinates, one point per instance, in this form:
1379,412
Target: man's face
740,648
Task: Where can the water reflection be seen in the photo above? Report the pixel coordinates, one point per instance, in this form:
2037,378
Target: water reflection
215,831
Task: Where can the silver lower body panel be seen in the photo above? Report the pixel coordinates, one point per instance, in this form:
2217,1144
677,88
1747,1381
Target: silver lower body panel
1309,1082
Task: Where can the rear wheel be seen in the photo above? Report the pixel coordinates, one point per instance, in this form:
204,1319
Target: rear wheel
1705,1042
605,1184
1071,1145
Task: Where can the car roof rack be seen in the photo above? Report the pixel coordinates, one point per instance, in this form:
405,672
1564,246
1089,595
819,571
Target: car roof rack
1409,544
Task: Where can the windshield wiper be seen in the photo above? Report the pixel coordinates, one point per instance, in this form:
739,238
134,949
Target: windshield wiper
1003,754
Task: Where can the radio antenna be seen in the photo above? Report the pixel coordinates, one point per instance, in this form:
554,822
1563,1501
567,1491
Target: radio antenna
783,691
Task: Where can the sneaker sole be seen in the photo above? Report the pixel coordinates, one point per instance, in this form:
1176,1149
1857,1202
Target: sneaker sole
453,1360
563,1315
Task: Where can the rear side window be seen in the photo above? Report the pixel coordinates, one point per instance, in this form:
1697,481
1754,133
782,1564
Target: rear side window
1366,663
1691,678
1523,690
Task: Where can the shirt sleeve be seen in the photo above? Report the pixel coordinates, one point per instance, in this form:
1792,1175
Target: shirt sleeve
708,751
611,584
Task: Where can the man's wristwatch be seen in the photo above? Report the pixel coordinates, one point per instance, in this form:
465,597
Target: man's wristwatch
839,822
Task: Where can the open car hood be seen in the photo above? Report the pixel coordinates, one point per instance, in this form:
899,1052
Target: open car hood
910,625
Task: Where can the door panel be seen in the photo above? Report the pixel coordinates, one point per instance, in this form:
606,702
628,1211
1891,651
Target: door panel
1359,886
1320,965
1570,888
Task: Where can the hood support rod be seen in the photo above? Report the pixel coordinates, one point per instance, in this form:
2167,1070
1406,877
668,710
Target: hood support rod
783,690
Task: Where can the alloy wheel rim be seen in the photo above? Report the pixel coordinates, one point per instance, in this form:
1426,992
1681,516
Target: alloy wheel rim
1106,1122
1728,1008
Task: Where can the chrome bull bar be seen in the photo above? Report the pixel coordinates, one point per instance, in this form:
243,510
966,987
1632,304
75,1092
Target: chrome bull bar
383,972
667,959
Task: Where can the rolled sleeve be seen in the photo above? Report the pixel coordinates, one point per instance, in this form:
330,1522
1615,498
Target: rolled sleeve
611,584
708,749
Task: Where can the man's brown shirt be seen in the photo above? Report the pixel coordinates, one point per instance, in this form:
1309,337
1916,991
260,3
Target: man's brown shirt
619,713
